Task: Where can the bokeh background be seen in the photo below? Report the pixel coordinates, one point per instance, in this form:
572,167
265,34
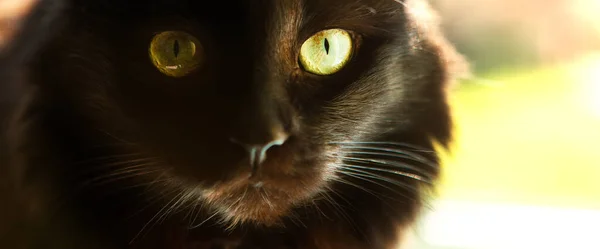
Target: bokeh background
524,171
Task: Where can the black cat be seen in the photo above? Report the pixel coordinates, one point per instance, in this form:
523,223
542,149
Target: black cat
236,124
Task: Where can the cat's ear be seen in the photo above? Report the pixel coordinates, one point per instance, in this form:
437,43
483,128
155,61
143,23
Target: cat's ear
425,35
30,33
424,20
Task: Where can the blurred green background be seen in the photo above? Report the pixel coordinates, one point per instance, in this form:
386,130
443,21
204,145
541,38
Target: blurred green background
528,122
528,136
524,171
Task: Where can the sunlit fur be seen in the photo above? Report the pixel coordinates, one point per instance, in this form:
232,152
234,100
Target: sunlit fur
105,151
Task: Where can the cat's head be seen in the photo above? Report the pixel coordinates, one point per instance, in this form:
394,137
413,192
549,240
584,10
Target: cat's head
249,108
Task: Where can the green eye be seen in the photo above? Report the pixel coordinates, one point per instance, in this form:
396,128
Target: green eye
175,53
326,52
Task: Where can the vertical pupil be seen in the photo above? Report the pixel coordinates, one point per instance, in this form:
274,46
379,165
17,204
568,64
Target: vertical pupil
176,48
326,46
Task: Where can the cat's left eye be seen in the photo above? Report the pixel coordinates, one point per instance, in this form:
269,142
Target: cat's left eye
326,52
176,53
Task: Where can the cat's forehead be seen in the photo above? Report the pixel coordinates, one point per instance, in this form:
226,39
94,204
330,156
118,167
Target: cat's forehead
233,10
211,5
295,17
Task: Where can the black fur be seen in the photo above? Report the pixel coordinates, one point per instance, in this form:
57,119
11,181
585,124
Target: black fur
87,103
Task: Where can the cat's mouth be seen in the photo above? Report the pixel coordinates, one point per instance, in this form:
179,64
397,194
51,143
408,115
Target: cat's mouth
287,179
263,200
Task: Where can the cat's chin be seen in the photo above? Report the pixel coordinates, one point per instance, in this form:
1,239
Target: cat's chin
263,202
266,197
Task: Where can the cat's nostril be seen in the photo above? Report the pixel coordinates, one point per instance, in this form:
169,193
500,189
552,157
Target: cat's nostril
257,153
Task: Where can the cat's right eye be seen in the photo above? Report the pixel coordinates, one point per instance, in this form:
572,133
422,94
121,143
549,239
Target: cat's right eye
176,53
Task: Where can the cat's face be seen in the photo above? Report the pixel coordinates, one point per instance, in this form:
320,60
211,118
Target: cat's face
249,107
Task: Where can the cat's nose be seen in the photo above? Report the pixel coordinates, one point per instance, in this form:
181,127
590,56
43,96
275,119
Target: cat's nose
257,153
